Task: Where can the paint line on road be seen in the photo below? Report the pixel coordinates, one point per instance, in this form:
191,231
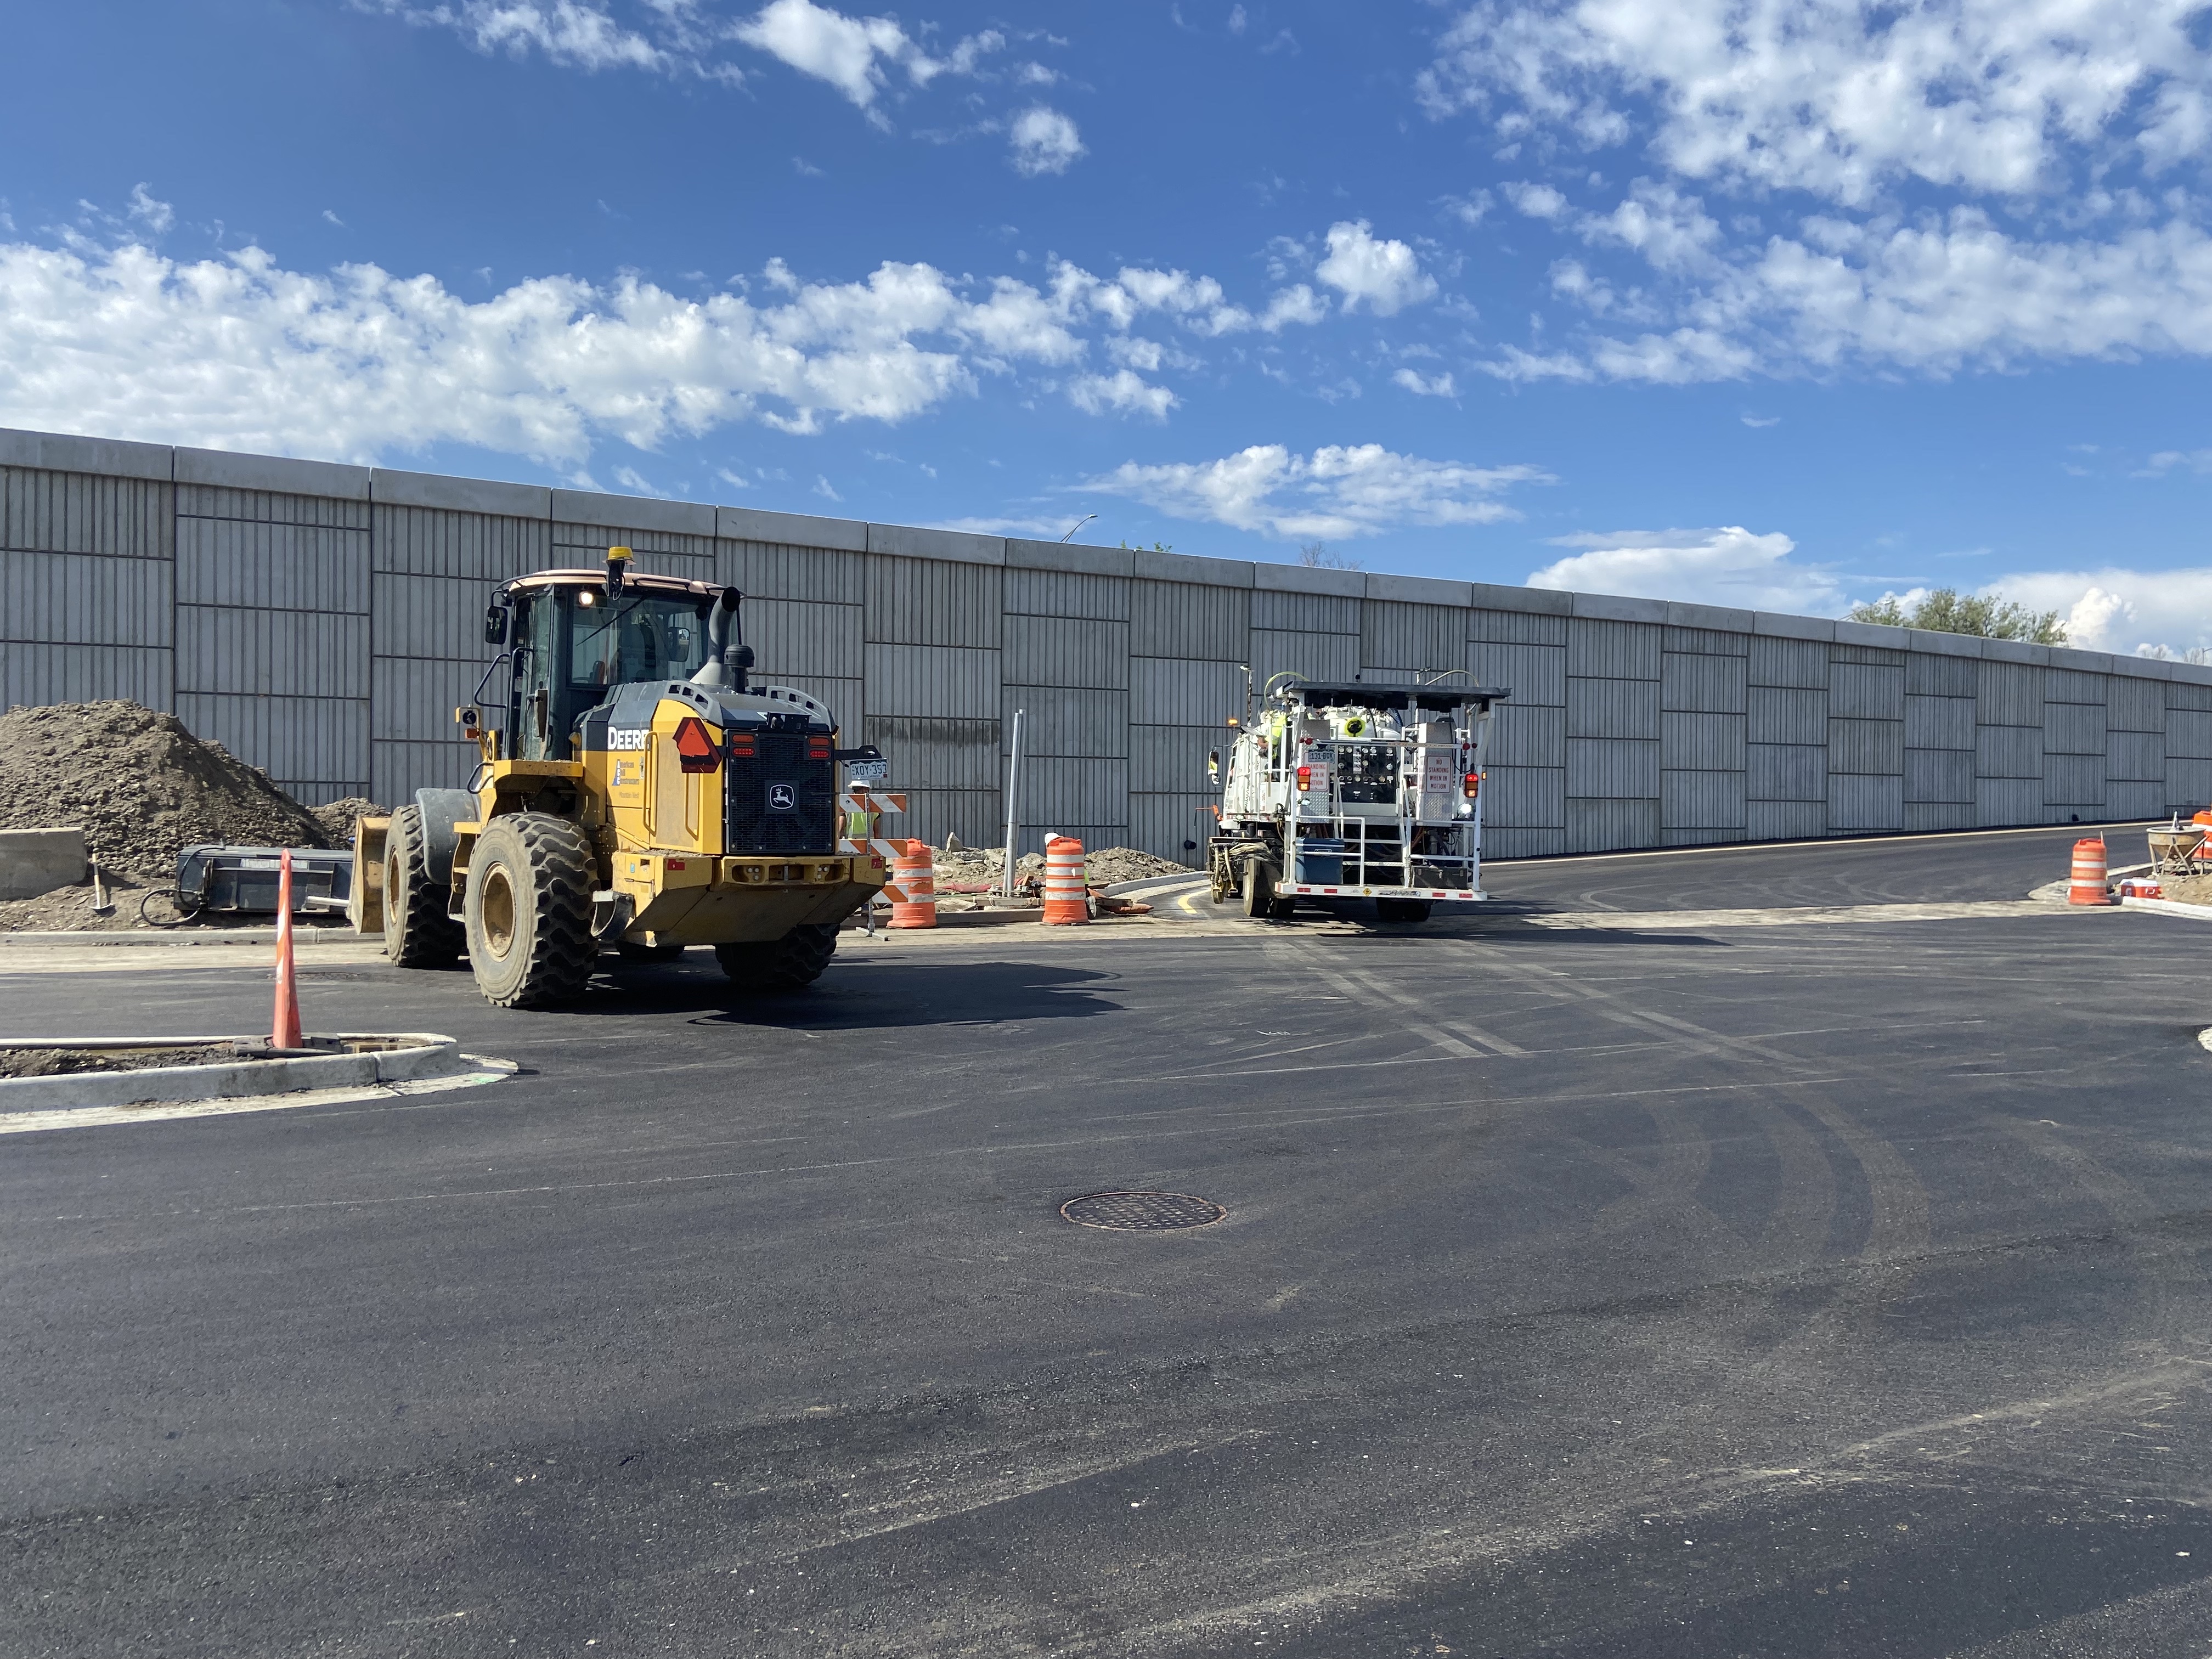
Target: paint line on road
102,1117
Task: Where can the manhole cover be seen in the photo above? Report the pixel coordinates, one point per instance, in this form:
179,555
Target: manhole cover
1142,1212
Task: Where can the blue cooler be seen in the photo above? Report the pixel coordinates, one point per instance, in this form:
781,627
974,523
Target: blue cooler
1318,864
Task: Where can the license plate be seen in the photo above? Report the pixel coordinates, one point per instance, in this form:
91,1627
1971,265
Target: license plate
867,771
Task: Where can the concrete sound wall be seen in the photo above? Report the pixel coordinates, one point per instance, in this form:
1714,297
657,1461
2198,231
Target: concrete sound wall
322,622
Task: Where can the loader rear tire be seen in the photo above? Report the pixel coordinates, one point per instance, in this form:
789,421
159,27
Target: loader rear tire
789,963
417,932
529,906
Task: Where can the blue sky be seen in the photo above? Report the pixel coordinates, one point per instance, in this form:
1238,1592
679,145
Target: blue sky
1779,306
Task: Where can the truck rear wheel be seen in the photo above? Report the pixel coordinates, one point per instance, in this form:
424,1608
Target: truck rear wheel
417,932
529,907
1260,900
789,963
1401,910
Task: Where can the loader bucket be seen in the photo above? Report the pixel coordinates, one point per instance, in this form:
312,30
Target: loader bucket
365,905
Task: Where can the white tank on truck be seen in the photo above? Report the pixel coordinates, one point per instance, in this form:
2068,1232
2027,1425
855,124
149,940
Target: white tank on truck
1365,790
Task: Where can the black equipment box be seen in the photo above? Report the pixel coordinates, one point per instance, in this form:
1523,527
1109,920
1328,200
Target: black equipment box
243,880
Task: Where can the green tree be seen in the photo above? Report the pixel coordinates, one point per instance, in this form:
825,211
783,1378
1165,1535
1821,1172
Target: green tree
1947,610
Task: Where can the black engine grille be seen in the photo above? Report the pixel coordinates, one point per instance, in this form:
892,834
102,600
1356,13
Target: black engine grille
754,825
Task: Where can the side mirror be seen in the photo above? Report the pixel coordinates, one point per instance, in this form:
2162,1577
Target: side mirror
496,618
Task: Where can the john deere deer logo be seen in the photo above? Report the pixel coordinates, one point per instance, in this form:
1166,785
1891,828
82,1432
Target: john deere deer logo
781,798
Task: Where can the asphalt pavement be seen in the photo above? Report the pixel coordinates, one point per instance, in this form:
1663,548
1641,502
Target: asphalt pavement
1778,1289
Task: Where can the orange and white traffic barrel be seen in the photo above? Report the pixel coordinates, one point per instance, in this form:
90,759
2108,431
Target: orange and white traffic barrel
1067,898
2087,886
913,887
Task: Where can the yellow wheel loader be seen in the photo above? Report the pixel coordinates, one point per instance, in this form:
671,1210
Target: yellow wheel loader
637,793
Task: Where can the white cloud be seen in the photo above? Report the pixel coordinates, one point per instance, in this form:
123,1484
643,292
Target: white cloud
1840,97
239,353
2113,608
2041,141
1440,385
2196,461
569,33
1337,492
1043,141
1384,276
157,216
1729,566
1122,392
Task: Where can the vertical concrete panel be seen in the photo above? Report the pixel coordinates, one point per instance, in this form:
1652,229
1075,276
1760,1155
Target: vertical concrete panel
1508,841
1939,774
1696,807
1061,722
1787,772
1861,804
1067,593
944,681
2073,728
1305,613
1702,683
1170,760
1317,656
2007,694
1070,651
1785,820
1934,722
1190,619
1613,708
1171,826
1174,691
2188,783
1524,798
1865,690
1536,674
1796,715
34,672
795,637
1613,768
2134,757
933,602
2134,800
1600,649
1516,627
1927,675
1865,747
2006,803
1528,734
777,570
1798,665
2189,733
1606,826
1420,639
1702,742
928,752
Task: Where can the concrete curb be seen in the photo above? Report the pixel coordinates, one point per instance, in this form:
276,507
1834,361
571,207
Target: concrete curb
2171,907
1125,889
301,937
433,1055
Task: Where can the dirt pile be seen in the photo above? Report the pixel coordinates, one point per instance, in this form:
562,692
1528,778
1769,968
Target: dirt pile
1103,868
141,786
337,817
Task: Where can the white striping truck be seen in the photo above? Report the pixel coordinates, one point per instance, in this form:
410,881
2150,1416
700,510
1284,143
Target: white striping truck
1364,790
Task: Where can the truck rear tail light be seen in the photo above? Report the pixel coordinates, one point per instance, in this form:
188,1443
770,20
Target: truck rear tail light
1305,777
818,749
741,742
1471,786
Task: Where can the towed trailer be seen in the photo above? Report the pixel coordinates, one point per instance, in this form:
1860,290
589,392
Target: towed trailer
1359,790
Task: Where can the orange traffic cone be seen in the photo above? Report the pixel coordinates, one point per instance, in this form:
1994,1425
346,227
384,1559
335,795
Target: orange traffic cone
284,1029
1067,899
2087,886
913,887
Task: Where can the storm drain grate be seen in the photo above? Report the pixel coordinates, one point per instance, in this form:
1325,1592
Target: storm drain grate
1142,1212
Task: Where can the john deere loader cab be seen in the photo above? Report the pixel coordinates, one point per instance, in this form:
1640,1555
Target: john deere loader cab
637,790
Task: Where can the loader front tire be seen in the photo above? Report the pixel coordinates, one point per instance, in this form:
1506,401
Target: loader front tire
789,963
417,932
529,908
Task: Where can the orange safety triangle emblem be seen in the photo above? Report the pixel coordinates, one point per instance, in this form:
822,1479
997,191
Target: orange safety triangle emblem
697,752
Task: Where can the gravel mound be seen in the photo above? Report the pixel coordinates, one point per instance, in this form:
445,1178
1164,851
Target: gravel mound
337,817
1103,868
143,787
